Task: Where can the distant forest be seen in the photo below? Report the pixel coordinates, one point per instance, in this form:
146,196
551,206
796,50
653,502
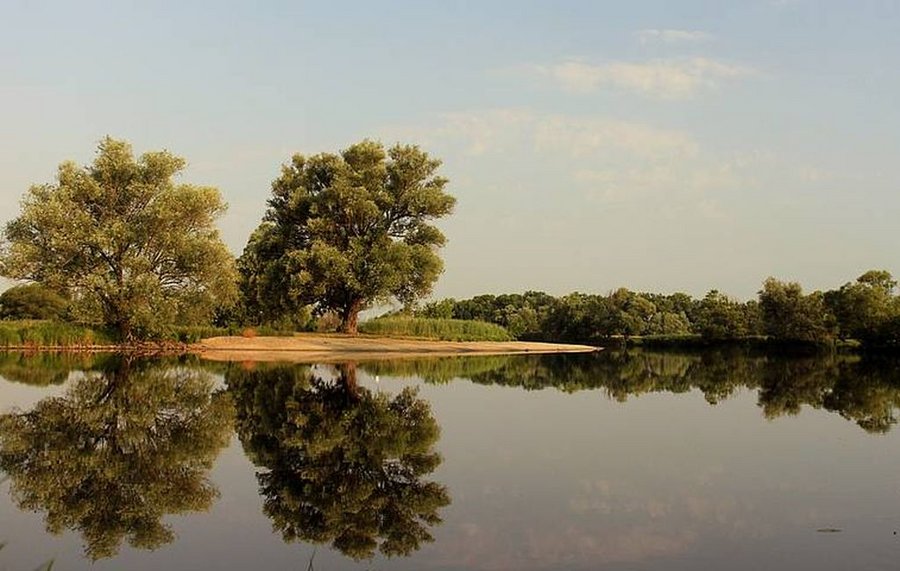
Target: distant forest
866,311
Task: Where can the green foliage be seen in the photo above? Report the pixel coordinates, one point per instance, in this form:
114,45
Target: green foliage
537,316
720,317
32,301
789,315
133,250
577,318
343,231
865,309
340,464
668,323
440,329
864,313
523,315
121,449
265,284
50,334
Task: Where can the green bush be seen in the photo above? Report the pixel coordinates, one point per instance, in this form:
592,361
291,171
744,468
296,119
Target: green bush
438,329
31,301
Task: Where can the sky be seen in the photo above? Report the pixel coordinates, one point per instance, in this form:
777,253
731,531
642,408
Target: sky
656,145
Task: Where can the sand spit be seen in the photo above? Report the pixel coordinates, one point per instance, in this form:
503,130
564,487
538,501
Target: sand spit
330,348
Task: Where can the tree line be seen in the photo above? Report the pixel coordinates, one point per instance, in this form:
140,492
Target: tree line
866,310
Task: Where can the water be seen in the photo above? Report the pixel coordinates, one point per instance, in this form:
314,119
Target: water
612,461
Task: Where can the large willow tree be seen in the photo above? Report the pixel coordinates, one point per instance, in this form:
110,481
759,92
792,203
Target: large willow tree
343,231
131,248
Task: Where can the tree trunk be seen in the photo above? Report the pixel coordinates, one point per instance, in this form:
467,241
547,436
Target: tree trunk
348,379
350,317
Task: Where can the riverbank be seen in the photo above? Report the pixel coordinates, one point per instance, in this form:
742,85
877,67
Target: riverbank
307,347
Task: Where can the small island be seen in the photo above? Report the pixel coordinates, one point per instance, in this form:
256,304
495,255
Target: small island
331,348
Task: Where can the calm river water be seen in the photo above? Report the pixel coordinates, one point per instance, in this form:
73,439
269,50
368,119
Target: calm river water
637,461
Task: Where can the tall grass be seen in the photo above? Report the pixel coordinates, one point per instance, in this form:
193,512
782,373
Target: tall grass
37,333
438,329
28,333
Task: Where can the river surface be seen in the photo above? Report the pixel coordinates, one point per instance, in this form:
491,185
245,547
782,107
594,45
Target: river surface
637,461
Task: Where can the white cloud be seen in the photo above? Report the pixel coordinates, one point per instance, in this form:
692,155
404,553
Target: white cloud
663,79
670,36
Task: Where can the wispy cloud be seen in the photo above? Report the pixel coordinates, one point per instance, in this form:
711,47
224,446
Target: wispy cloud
662,79
603,159
506,129
586,137
670,36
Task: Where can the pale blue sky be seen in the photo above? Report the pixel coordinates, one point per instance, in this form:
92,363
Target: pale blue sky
661,145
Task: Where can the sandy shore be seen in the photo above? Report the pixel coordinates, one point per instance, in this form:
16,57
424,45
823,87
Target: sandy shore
320,348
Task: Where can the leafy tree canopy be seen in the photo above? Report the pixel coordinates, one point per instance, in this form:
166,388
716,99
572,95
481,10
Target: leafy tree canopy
790,315
863,308
131,248
345,230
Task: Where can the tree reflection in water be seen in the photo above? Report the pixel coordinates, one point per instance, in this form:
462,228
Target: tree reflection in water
863,390
125,445
340,464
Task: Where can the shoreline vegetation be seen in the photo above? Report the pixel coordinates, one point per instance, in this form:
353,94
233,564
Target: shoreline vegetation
309,346
123,246
859,315
391,339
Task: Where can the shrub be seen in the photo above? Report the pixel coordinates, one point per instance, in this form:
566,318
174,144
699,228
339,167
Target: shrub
31,301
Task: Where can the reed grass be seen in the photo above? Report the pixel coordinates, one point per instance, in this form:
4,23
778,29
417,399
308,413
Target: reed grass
436,329
34,333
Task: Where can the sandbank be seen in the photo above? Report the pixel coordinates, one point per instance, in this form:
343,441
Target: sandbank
307,347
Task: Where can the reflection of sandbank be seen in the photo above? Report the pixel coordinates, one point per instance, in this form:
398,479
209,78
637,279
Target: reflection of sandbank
321,348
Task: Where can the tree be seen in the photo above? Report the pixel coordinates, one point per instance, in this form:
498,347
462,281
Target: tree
31,301
122,448
789,315
668,323
629,313
131,248
720,317
864,307
343,231
339,463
